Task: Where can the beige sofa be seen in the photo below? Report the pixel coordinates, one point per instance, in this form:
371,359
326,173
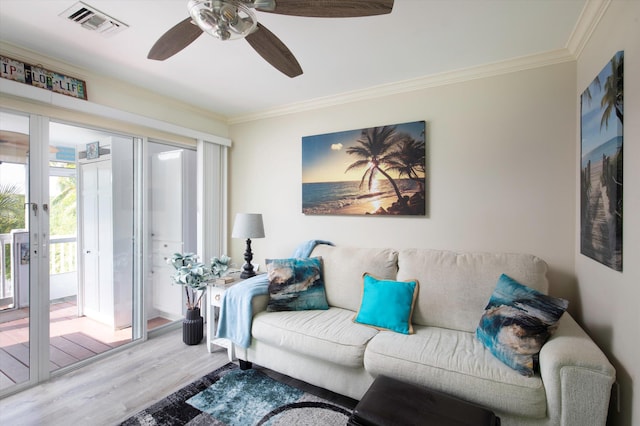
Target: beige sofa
327,349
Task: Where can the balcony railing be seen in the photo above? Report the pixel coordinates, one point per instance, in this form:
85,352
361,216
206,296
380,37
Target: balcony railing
63,255
6,287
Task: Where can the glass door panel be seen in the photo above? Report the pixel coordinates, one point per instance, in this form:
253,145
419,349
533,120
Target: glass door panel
15,359
91,242
171,225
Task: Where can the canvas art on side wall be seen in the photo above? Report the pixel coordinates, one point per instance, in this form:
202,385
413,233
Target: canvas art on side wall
372,171
601,165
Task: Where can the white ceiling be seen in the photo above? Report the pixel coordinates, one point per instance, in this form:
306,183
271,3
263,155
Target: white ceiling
419,38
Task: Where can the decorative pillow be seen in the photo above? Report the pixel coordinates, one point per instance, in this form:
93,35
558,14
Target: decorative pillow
516,323
296,284
387,304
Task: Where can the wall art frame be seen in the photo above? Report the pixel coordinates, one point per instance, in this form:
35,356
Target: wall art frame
601,165
371,171
93,150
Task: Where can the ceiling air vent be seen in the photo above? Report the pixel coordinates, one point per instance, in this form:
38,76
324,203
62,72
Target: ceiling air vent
93,20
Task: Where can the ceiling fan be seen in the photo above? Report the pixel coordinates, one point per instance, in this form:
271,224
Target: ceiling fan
233,19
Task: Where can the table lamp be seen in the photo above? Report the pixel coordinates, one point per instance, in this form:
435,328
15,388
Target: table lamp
248,225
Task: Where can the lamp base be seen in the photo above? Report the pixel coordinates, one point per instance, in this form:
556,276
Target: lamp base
247,268
248,273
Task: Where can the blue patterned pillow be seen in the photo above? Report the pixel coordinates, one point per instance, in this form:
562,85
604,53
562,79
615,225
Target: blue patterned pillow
516,323
387,304
296,284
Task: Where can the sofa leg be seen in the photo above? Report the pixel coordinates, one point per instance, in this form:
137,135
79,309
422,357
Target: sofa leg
245,365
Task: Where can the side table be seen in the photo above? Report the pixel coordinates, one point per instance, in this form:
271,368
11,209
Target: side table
215,292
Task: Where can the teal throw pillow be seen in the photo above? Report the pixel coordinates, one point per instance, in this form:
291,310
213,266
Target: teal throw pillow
387,304
516,323
296,284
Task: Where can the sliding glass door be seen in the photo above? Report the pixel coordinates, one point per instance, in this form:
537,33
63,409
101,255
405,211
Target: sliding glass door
15,357
67,215
88,218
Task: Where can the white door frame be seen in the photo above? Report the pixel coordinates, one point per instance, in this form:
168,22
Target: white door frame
38,225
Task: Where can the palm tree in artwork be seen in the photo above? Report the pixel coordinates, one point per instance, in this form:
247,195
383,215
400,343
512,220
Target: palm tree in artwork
612,99
409,158
612,174
375,151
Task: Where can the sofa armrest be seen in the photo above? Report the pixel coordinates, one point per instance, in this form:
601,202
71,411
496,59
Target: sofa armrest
259,303
577,376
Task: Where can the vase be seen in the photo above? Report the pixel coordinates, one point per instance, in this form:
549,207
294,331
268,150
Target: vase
192,327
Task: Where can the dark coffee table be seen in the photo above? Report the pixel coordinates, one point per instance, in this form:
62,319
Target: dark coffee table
392,402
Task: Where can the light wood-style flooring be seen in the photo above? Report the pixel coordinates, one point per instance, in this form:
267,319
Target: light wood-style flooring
110,390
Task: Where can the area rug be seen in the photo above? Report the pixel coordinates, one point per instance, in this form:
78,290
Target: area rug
232,397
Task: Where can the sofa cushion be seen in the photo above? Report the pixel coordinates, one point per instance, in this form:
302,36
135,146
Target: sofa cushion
456,363
343,269
516,323
329,335
387,304
455,287
296,284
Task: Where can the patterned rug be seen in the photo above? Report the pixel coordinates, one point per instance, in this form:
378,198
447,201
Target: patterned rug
232,397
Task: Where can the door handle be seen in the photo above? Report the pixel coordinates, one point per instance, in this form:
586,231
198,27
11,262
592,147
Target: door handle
34,207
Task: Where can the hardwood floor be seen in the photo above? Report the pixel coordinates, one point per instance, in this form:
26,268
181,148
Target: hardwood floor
110,390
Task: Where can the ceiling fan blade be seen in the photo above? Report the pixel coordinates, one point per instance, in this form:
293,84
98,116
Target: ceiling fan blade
331,8
274,51
174,40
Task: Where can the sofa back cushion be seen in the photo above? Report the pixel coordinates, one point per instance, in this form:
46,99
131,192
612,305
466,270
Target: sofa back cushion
344,267
456,287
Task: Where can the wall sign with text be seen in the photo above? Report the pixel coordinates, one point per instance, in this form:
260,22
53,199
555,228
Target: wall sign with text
35,75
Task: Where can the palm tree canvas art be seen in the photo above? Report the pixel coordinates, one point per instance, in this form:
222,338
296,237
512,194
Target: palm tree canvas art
601,165
372,171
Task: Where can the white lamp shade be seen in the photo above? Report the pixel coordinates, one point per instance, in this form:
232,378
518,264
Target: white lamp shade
248,225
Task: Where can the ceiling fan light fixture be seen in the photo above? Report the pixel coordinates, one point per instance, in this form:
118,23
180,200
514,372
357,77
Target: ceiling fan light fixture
225,20
233,19
265,5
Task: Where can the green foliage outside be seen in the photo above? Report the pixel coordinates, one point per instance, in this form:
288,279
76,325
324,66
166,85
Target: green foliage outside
63,222
11,217
63,208
11,209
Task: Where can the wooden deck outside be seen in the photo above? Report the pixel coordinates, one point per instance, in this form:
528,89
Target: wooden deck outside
72,339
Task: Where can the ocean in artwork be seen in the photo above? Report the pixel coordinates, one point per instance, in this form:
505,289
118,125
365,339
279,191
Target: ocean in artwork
607,149
350,198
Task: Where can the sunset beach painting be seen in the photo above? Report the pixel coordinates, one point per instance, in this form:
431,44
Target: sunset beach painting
601,165
371,171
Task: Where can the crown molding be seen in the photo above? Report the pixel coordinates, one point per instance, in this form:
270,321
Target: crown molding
586,25
411,85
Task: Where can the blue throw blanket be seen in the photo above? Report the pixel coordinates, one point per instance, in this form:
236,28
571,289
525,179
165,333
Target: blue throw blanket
236,312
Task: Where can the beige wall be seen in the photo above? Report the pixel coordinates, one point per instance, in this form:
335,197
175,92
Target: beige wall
500,160
610,300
